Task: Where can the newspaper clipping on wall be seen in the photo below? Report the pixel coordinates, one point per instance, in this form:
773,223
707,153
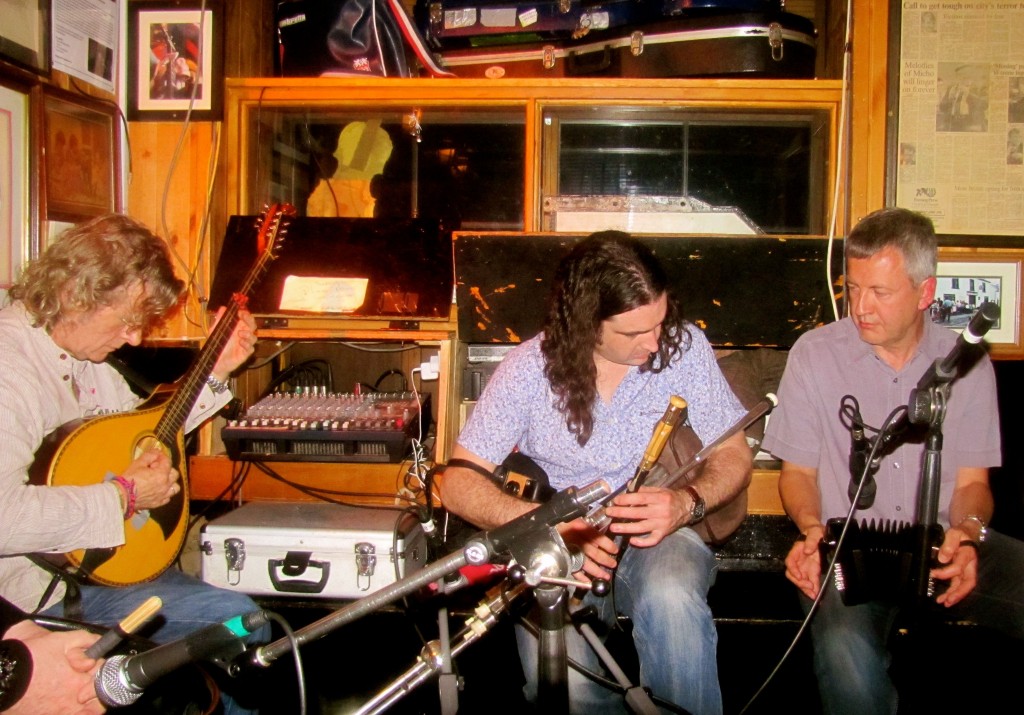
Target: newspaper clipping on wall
961,115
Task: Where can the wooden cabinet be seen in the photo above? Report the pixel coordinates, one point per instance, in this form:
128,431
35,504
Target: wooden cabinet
279,131
481,154
212,471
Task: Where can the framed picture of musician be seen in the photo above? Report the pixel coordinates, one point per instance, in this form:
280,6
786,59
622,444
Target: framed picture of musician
79,158
175,51
966,280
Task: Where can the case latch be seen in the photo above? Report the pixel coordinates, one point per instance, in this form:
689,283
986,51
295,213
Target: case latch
775,40
234,555
366,563
636,43
548,57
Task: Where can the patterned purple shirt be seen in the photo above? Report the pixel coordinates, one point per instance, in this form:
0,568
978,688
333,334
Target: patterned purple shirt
518,408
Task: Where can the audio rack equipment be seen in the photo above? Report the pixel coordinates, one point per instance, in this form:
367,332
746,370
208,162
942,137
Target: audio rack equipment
317,426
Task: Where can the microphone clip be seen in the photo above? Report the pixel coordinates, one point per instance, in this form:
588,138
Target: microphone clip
861,469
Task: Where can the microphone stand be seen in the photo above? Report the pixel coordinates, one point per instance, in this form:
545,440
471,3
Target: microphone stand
927,406
431,659
548,571
566,505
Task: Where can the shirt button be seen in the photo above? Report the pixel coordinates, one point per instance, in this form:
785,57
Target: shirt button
899,508
895,381
63,356
895,465
66,378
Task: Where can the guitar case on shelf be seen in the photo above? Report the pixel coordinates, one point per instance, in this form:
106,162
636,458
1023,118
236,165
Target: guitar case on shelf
464,24
776,45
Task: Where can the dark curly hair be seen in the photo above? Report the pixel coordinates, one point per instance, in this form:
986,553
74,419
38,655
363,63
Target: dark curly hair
91,264
606,274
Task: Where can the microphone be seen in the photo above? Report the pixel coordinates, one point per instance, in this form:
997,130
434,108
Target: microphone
860,448
122,679
944,370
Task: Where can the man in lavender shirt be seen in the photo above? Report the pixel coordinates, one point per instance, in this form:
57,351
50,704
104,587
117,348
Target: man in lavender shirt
582,400
878,354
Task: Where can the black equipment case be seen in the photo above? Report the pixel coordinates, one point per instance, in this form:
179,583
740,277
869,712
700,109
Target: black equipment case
464,24
769,45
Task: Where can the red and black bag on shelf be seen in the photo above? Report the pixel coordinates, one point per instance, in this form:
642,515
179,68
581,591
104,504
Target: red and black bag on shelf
370,38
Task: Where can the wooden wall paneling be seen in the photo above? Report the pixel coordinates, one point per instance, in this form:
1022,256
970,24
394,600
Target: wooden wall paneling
153,145
868,108
249,39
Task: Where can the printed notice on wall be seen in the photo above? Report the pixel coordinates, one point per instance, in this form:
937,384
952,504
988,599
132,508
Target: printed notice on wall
85,40
961,115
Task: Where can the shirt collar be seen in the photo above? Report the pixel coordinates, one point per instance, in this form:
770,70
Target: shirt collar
858,350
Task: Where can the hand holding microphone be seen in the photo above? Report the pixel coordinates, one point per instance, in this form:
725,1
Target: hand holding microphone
122,679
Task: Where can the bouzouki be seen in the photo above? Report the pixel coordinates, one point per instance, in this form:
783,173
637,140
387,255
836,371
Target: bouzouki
76,454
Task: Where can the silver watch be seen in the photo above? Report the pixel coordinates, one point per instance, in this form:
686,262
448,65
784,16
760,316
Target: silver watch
982,526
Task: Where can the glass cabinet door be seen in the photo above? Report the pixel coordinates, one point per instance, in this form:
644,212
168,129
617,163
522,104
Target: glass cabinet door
767,166
464,166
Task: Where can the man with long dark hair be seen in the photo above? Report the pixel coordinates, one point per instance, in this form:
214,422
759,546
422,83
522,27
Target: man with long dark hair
581,400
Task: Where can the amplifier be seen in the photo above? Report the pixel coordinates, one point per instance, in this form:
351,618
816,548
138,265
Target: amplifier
487,353
317,426
482,360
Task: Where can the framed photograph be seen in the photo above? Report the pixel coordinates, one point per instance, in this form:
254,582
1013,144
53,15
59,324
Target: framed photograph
25,34
174,60
956,109
965,281
80,174
15,224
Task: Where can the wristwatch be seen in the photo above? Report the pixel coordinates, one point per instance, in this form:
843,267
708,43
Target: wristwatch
699,506
982,526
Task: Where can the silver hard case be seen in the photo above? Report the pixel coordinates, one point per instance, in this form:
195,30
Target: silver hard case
310,550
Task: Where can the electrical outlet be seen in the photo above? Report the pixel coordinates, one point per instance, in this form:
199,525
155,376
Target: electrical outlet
429,370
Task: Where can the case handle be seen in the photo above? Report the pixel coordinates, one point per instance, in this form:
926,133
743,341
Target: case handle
576,66
295,563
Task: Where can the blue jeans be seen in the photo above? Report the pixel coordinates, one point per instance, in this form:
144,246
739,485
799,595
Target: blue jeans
851,655
188,605
663,589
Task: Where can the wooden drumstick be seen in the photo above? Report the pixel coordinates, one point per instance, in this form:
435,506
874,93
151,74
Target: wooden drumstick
132,622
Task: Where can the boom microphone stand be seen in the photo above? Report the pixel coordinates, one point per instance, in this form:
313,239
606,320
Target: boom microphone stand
566,505
927,407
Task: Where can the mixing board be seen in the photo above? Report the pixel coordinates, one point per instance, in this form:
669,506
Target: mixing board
317,426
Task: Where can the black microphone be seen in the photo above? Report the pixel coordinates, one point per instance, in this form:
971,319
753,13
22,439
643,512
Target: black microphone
860,448
122,679
944,370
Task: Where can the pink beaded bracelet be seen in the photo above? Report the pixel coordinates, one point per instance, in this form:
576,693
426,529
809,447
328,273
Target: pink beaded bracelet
129,491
